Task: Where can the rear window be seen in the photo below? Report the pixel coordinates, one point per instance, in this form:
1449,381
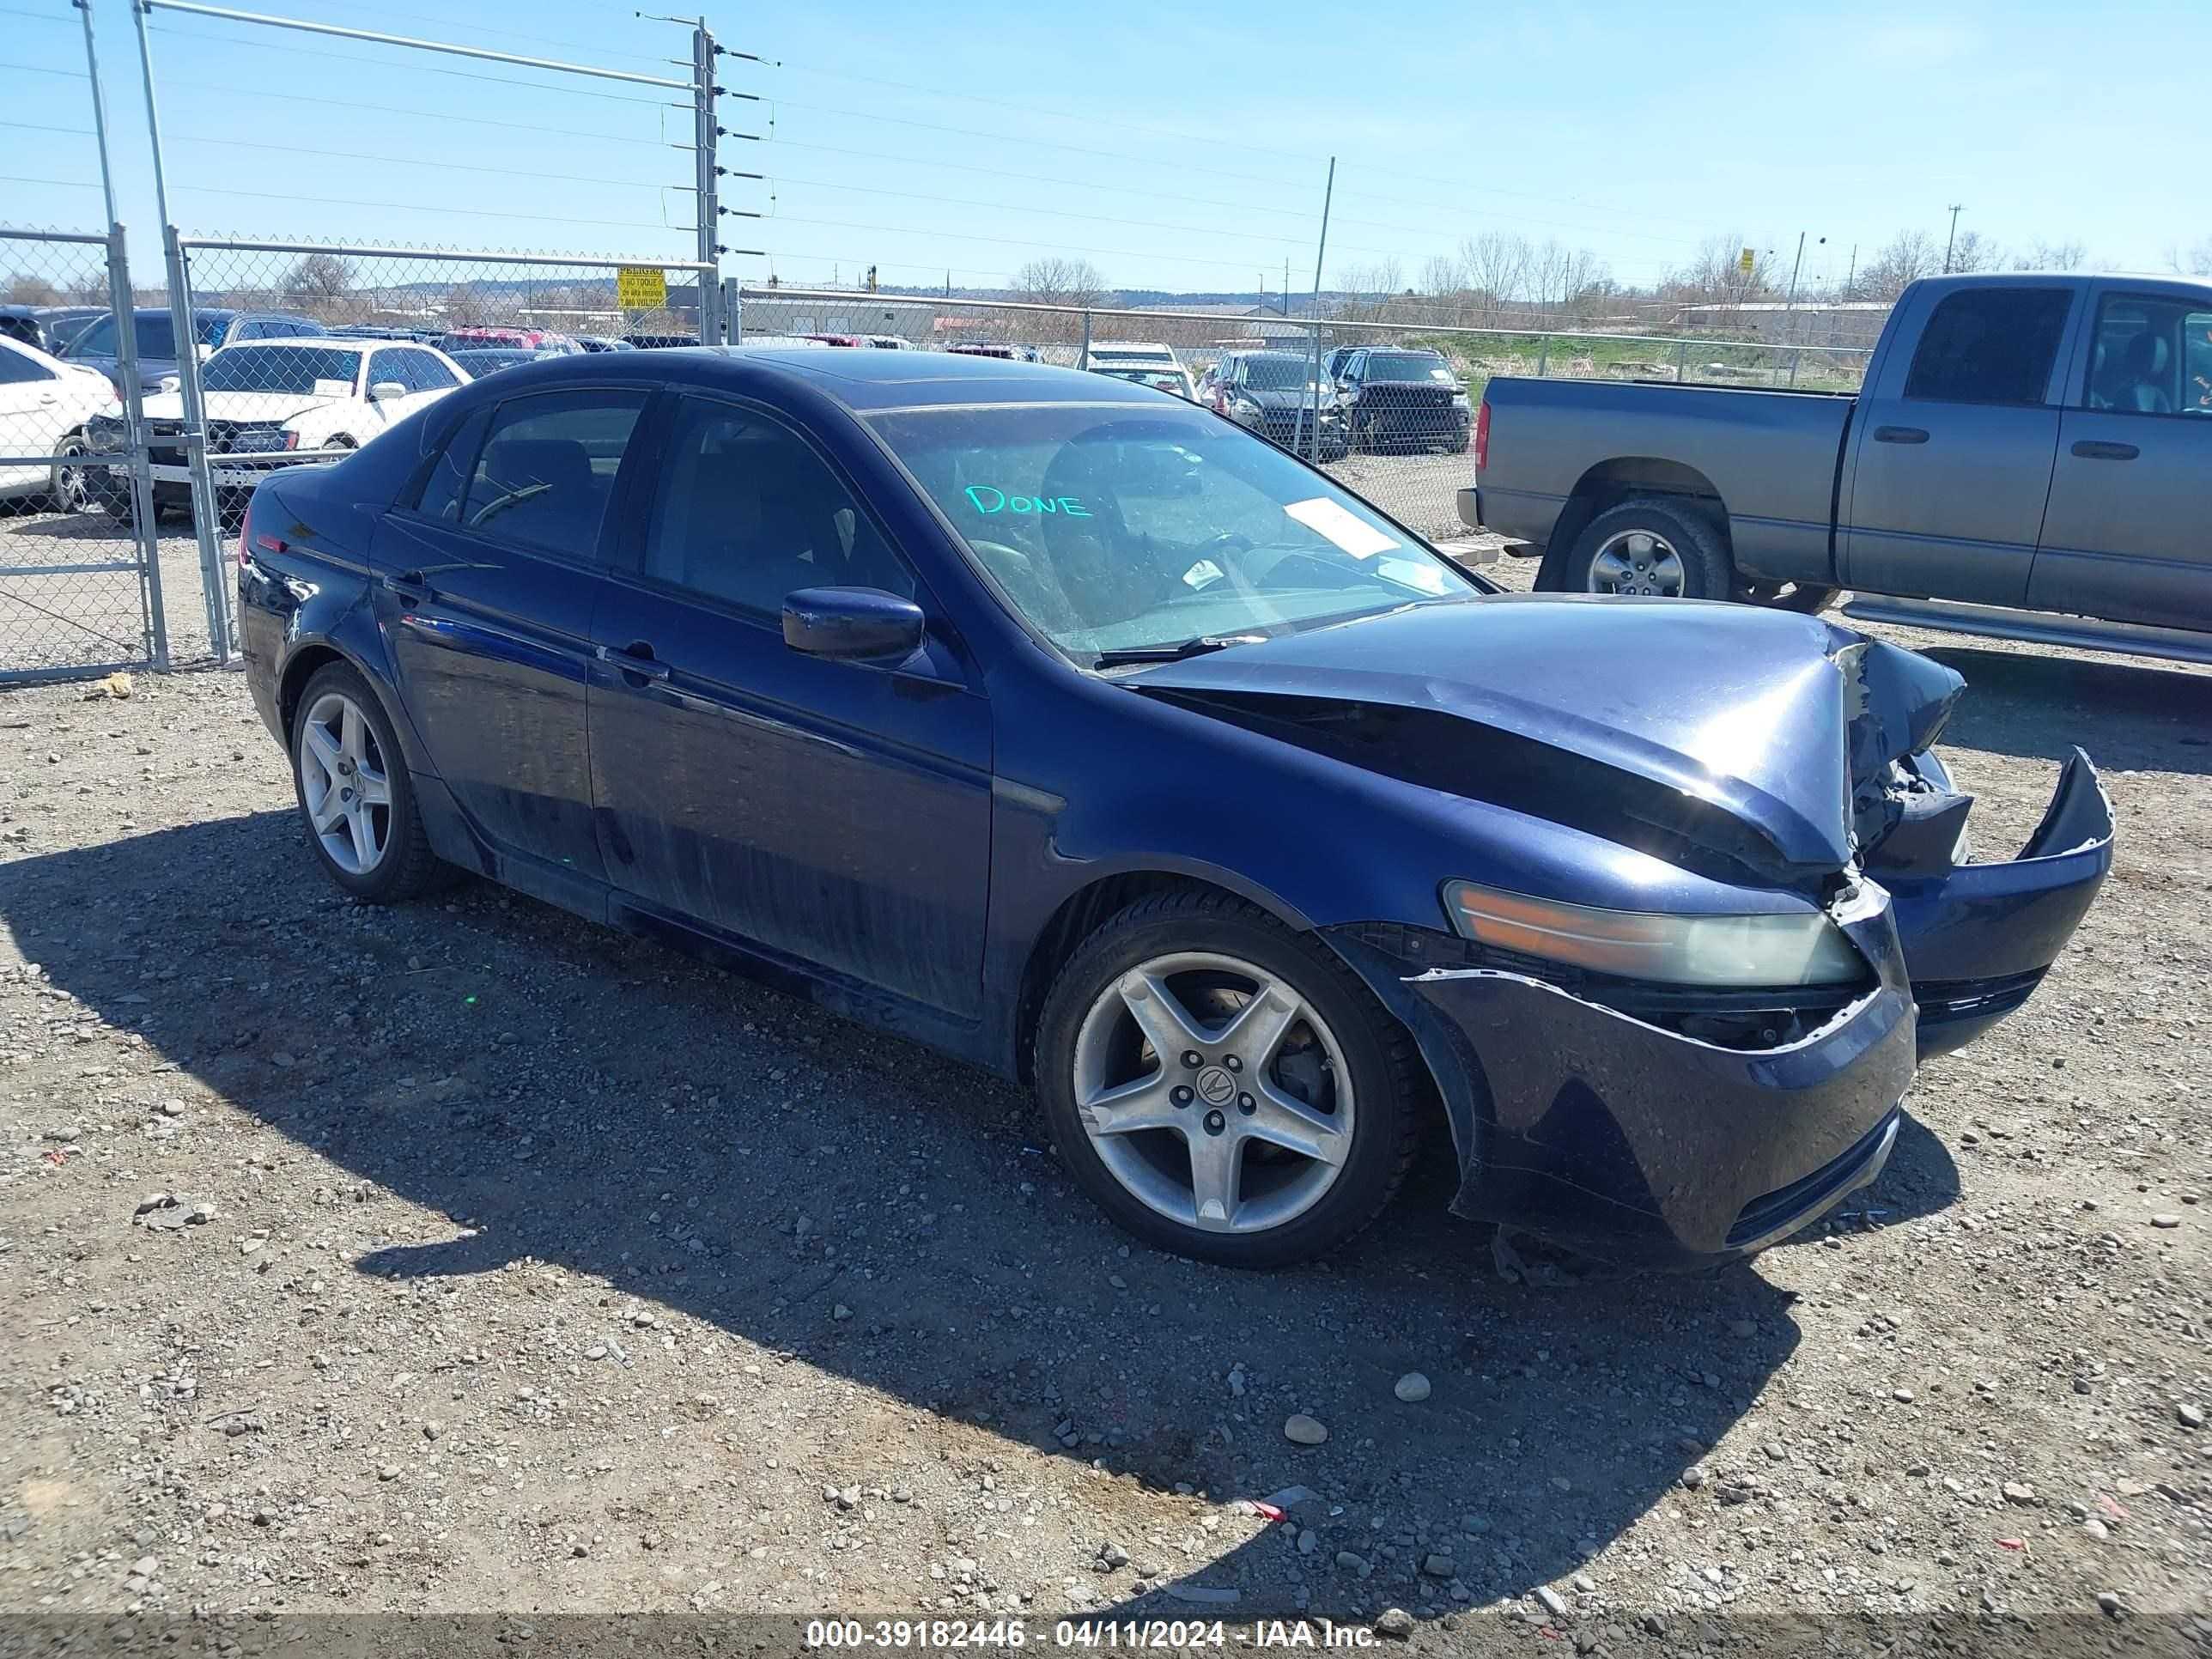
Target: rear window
1990,345
1406,366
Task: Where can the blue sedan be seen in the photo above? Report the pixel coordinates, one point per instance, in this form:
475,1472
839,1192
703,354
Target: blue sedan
1077,732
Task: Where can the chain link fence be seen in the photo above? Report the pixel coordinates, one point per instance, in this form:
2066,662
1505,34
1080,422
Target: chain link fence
1386,407
79,592
304,352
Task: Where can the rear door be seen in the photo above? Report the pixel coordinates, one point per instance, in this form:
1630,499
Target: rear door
1952,452
837,812
2128,535
34,414
488,588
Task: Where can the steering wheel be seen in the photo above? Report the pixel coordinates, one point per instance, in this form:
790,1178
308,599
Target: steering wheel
1228,540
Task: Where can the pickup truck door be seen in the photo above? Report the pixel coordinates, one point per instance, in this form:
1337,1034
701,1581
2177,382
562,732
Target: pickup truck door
2128,536
1952,452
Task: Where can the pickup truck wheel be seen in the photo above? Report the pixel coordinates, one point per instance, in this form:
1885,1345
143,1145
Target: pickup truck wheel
1648,546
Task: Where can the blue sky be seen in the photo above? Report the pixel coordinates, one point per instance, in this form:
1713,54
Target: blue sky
1173,147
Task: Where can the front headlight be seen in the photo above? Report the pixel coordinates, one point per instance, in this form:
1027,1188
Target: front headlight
167,383
1459,400
1741,951
1244,408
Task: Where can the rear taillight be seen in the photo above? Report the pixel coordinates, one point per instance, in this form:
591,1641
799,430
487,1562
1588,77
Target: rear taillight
1482,436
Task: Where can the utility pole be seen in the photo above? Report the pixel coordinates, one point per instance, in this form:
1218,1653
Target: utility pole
1321,248
1953,239
1851,277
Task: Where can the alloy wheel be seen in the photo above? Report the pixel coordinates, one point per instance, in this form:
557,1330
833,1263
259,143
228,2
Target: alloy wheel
1214,1092
1637,562
344,784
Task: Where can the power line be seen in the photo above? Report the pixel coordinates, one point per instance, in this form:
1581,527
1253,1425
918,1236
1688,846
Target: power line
40,69
445,20
1235,262
37,126
427,69
234,89
439,163
417,207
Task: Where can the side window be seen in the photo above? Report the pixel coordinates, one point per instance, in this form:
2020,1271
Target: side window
429,374
449,476
749,513
2152,357
1990,345
15,368
547,469
98,341
394,366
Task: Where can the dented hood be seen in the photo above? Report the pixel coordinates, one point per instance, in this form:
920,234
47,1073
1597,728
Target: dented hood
1772,718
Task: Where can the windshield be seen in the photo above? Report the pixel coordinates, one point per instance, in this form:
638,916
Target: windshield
316,371
1112,528
1406,366
1278,373
156,337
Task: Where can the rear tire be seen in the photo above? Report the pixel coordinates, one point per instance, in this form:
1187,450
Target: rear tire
1651,544
380,854
1353,1079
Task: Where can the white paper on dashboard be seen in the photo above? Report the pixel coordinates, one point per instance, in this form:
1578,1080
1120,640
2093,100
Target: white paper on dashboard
332,389
1361,540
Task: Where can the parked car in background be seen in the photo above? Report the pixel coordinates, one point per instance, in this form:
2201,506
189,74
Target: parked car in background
46,406
94,346
478,363
835,339
1176,379
381,331
1129,354
973,700
999,349
887,342
1275,394
602,342
49,328
2024,443
661,341
280,397
507,339
1399,398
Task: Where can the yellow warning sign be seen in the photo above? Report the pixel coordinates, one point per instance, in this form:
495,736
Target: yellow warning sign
640,288
1745,261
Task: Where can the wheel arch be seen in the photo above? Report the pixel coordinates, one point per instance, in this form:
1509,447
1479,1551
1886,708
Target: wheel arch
1087,909
1610,483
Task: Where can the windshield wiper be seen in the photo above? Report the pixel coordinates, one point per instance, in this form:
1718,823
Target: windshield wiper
1192,647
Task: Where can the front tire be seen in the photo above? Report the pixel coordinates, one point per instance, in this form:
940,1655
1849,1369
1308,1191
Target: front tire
71,487
356,798
1290,1132
1650,546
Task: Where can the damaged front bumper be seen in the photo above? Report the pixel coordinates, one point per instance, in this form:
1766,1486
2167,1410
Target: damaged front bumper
1612,1126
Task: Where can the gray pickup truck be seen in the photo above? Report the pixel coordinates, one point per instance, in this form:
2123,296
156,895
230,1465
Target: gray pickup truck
2027,449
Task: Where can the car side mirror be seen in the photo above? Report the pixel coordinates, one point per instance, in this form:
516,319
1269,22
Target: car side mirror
385,391
860,624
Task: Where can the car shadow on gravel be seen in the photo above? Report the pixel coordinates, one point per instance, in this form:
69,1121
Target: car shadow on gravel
509,1085
2127,716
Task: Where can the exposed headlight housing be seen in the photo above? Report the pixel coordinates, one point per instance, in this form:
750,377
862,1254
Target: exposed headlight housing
262,439
167,383
1757,951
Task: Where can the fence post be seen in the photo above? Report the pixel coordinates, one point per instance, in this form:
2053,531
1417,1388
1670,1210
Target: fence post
1083,361
1543,354
207,519
1682,361
733,310
124,305
709,206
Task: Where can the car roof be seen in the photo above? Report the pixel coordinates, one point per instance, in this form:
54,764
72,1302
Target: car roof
860,380
323,342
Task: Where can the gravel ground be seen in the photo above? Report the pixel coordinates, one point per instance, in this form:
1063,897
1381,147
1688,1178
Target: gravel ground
527,1268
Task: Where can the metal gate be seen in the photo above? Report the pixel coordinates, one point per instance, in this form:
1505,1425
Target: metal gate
80,578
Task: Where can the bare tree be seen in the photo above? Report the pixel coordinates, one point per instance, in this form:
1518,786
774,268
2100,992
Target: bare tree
1497,267
1906,258
1715,276
1974,252
1060,282
2191,262
318,279
24,289
2053,256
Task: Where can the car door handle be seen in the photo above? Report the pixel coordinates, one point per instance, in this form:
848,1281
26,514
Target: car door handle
408,586
2096,449
1900,435
635,659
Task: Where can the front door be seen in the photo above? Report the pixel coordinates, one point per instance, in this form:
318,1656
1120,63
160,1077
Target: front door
2128,533
836,812
487,589
1951,468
